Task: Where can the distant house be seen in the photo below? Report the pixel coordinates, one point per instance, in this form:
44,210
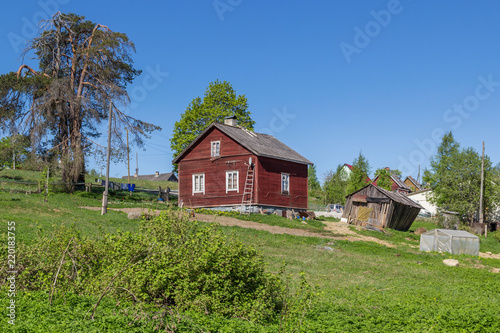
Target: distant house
229,167
158,177
347,171
422,197
413,184
379,208
397,185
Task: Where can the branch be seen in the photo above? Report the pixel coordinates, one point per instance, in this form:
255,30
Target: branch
116,275
57,274
18,73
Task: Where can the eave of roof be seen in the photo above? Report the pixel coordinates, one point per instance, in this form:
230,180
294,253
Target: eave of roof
398,197
227,130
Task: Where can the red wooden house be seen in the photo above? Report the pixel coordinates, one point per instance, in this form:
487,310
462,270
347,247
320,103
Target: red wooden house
229,166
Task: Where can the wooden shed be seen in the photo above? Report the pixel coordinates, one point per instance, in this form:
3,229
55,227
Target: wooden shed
380,208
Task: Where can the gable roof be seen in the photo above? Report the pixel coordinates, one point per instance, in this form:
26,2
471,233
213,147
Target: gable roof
259,144
418,186
157,178
395,196
399,182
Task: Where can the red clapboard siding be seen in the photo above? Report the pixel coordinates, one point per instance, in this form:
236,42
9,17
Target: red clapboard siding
269,183
234,157
198,160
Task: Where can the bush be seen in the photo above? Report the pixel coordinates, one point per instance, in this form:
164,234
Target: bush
171,263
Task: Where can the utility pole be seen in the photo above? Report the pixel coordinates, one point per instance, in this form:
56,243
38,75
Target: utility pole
104,209
128,166
481,215
14,152
137,164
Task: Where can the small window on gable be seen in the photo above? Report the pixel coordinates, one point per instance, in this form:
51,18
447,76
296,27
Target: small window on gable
285,183
215,148
231,181
199,183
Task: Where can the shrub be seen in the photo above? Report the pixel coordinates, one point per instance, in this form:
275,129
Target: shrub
171,262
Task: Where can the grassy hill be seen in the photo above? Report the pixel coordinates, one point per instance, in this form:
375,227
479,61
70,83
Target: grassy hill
361,286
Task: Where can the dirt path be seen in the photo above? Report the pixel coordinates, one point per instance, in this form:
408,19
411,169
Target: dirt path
337,228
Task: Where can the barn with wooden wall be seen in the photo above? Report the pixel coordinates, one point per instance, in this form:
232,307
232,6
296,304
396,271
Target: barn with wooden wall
377,207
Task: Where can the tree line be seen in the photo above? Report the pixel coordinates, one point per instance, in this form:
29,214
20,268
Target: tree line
454,176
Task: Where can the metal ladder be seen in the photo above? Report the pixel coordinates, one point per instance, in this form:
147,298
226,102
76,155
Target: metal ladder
246,200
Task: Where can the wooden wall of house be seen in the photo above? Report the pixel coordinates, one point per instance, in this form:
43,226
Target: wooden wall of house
410,184
198,160
269,183
267,186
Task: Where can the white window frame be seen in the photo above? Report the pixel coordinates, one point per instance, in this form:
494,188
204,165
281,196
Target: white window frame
237,188
215,152
201,181
283,177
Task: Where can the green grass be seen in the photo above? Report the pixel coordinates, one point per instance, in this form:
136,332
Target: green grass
10,178
370,287
20,175
31,213
364,286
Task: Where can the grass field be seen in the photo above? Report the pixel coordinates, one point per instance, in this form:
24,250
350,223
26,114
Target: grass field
363,286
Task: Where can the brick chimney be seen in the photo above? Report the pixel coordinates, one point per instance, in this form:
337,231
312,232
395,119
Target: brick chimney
231,121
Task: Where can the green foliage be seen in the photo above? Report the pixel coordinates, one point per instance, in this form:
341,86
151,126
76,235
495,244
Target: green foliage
220,101
170,262
335,185
360,173
455,178
312,178
384,177
14,146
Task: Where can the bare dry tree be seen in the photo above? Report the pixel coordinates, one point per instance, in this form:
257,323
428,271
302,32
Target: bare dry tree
83,68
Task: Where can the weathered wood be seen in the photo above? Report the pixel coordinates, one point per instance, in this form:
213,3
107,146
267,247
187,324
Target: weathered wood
388,210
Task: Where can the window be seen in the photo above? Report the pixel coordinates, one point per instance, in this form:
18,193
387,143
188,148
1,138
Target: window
215,148
285,183
231,181
199,183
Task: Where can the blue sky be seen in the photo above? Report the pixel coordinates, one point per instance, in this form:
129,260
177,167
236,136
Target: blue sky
328,78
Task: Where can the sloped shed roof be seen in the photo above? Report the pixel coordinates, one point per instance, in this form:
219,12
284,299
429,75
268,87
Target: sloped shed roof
257,143
395,196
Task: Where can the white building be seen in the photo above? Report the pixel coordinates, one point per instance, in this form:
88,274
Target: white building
422,197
